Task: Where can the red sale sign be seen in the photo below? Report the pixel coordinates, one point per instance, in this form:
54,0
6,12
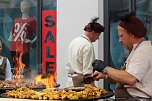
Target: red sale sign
48,41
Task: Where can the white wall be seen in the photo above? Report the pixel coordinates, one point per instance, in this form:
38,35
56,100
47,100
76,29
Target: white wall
100,43
72,16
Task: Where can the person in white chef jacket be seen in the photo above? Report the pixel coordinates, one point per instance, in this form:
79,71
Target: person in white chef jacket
81,54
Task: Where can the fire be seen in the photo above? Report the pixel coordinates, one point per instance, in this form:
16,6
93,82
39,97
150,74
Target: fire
48,81
18,67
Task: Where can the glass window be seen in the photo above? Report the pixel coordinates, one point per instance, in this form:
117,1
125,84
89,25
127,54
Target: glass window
49,4
117,53
144,12
117,8
18,32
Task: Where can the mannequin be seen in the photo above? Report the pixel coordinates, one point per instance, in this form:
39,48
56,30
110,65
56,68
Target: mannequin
23,29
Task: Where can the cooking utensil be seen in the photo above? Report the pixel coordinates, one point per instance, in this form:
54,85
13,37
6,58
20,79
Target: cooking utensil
74,88
88,79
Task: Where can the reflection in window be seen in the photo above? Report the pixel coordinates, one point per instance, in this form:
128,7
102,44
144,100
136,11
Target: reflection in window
118,54
18,31
144,12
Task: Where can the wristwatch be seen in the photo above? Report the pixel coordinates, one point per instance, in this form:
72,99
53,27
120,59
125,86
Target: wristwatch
104,71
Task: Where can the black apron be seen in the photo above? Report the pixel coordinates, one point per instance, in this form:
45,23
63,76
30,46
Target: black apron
122,94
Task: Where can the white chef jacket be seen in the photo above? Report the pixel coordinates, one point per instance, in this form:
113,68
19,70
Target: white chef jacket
80,57
139,64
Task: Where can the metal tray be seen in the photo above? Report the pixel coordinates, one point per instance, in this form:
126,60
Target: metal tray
37,88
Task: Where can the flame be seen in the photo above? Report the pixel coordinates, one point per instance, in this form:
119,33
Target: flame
48,81
18,67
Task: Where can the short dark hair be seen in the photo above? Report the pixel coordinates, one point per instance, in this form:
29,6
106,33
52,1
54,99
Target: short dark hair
133,24
94,26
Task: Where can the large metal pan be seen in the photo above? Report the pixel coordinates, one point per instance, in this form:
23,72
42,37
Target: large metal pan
109,94
37,88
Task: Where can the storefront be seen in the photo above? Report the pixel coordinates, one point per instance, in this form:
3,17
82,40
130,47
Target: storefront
55,28
61,24
21,24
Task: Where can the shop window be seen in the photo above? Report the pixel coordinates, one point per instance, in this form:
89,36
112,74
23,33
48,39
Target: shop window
19,33
144,12
117,8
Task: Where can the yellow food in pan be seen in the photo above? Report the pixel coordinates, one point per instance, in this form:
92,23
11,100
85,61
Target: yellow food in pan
49,94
